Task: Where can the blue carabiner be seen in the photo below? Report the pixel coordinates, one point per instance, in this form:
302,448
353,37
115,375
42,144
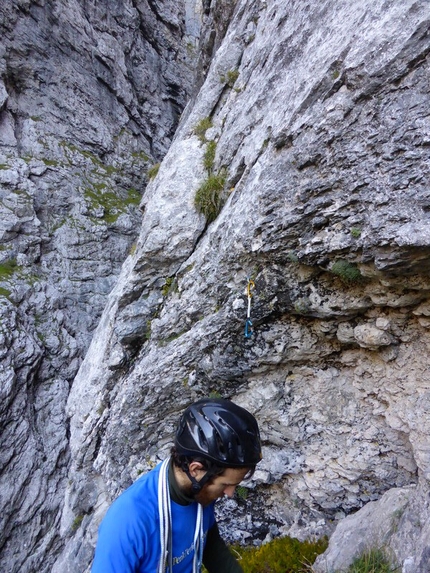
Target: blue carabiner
248,328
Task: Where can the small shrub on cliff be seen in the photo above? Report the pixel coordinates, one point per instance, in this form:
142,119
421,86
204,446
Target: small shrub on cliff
201,128
208,199
282,555
346,271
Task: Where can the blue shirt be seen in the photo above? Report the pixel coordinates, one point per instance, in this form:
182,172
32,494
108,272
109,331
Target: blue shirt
129,535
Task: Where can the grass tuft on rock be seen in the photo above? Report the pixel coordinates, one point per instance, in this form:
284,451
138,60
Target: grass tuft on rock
201,127
373,561
208,198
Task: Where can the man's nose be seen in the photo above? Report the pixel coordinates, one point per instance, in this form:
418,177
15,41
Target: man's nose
229,490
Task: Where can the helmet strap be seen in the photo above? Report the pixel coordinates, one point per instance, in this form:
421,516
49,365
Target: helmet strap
197,486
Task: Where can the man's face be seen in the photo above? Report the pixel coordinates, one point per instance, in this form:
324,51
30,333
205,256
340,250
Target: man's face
218,486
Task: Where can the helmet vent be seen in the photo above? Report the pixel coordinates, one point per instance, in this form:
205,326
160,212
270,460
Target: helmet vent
220,431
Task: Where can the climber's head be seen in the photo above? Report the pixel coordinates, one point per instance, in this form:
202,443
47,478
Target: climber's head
217,445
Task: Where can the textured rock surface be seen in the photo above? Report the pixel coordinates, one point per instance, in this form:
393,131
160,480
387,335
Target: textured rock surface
398,522
90,96
320,119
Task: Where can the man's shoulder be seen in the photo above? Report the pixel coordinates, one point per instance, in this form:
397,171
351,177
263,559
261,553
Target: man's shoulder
139,499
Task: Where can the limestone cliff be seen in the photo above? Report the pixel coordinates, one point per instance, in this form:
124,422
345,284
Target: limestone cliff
313,119
90,96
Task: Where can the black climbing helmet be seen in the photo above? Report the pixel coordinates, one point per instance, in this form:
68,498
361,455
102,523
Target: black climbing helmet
220,431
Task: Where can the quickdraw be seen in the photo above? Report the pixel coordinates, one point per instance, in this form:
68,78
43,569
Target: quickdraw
248,322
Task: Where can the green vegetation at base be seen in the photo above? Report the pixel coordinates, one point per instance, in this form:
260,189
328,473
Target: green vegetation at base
302,306
241,492
373,561
282,555
50,162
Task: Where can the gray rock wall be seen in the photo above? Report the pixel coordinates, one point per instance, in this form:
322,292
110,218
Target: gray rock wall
90,97
319,115
319,122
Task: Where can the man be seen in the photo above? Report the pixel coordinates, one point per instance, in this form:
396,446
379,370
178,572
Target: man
165,521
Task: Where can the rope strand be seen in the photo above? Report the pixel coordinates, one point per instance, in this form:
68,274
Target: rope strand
165,516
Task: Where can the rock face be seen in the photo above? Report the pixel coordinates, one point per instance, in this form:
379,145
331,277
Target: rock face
319,121
314,120
90,96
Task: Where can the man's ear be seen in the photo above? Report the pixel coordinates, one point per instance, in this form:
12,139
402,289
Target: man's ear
195,469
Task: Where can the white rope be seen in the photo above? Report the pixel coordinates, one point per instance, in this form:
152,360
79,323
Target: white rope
198,541
165,516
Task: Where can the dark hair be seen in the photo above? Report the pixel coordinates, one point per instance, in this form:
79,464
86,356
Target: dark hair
183,462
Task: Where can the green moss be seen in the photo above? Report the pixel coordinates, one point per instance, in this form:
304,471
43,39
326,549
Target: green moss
4,292
140,155
208,199
201,128
215,394
133,248
230,78
4,166
242,492
346,271
189,268
7,269
50,162
164,341
133,197
152,171
282,555
101,408
77,522
112,204
148,330
373,561
96,161
41,336
169,285
355,232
